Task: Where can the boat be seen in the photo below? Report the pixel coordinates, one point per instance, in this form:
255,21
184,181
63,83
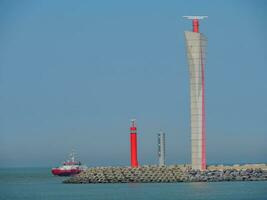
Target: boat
69,167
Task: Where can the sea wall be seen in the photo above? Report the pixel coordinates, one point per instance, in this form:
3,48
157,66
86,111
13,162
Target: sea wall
167,174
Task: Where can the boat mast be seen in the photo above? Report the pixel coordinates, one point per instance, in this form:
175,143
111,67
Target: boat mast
72,156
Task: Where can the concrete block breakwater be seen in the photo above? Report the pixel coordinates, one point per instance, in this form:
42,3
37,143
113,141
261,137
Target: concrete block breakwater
166,174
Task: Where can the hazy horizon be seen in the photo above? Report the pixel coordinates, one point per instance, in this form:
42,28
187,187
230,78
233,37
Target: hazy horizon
74,73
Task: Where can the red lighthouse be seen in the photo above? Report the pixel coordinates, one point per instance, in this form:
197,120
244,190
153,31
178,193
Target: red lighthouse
133,141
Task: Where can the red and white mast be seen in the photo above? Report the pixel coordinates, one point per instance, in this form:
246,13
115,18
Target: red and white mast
196,43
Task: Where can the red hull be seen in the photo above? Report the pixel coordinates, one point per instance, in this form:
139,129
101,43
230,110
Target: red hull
65,172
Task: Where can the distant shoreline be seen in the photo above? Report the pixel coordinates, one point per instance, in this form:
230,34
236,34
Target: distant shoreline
170,174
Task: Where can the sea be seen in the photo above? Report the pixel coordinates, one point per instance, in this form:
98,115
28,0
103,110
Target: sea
40,184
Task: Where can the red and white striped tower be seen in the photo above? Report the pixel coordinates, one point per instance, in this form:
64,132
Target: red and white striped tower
133,141
196,44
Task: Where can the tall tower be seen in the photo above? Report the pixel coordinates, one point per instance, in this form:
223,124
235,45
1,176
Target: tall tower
133,141
196,44
161,148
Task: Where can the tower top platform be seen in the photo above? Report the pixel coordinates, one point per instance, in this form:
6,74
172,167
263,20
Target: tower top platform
195,17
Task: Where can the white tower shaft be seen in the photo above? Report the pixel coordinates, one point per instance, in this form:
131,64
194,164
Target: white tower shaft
196,43
161,148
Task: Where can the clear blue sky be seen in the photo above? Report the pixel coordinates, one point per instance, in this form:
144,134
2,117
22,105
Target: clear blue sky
73,74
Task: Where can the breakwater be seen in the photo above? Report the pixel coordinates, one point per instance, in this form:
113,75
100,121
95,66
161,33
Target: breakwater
168,174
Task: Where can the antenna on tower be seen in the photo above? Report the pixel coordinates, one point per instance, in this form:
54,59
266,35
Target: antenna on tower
133,122
195,21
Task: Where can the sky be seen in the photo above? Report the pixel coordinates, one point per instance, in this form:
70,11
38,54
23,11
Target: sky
74,73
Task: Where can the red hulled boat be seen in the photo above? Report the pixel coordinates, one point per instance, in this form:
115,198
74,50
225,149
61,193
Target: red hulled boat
69,168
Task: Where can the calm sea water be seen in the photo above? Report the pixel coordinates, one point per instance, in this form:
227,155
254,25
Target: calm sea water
38,183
